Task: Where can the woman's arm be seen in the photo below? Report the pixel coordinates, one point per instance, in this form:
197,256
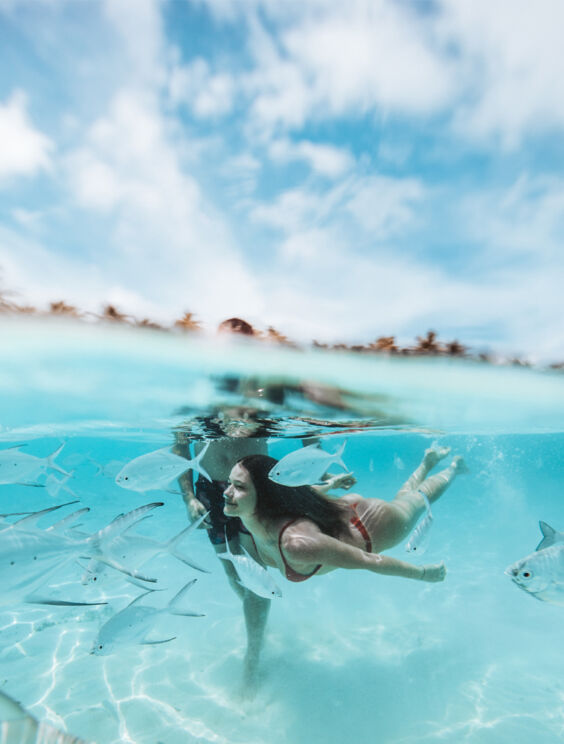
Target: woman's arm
320,548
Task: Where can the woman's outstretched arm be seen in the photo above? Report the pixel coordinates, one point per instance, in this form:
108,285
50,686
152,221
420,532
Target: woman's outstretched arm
320,548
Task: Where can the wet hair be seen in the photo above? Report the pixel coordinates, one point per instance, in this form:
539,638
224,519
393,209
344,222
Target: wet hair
275,500
236,325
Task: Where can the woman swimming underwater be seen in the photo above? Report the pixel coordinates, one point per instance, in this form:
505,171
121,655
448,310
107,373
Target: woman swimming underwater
302,533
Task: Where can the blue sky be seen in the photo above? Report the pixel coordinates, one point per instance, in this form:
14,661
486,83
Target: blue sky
338,170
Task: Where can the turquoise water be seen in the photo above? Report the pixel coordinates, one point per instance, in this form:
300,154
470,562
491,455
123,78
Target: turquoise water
348,656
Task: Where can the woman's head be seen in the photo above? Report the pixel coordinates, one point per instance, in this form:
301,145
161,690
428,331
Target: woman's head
272,500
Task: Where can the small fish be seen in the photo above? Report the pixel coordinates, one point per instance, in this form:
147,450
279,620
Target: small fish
306,466
136,550
541,574
157,470
17,726
419,538
131,625
252,575
19,467
54,486
550,536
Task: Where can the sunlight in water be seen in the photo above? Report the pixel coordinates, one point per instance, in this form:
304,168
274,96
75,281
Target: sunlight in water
347,656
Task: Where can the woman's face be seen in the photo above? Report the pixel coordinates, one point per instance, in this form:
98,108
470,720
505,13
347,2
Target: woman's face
240,495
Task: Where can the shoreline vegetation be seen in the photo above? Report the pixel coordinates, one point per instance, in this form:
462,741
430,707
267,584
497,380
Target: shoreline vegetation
427,345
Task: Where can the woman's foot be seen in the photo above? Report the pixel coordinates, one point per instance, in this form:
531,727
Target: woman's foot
434,454
459,465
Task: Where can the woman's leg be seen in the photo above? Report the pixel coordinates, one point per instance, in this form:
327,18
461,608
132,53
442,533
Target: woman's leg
255,610
389,522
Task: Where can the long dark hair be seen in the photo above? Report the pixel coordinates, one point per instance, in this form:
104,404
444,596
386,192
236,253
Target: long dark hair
275,500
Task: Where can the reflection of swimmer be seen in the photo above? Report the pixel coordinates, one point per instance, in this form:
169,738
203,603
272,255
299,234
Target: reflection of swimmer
301,533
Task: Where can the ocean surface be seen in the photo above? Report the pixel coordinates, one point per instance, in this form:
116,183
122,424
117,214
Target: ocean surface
350,656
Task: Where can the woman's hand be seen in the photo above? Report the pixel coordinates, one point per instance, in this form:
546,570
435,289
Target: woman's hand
433,573
195,510
343,480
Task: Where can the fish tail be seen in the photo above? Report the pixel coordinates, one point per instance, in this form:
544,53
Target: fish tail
51,460
196,463
172,545
339,455
172,606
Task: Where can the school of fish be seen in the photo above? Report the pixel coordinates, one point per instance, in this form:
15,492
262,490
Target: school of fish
32,555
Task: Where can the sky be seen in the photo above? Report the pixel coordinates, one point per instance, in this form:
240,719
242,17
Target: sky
338,170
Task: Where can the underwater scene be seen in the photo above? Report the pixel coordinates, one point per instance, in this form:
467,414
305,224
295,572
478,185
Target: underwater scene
121,622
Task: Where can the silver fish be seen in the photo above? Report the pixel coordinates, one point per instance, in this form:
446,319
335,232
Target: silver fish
549,536
156,470
252,575
29,554
19,467
136,550
305,466
131,625
541,574
17,726
419,538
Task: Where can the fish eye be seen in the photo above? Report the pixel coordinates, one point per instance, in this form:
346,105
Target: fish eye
125,477
526,574
100,648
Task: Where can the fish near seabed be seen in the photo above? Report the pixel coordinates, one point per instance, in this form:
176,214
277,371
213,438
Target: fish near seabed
156,470
305,466
541,574
252,575
132,625
23,469
17,726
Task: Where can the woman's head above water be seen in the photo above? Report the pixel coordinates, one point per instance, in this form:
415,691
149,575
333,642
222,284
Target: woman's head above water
251,493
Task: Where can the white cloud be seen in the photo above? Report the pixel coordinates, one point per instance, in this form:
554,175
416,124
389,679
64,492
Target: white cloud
324,159
25,150
139,26
334,60
510,64
166,239
208,95
384,206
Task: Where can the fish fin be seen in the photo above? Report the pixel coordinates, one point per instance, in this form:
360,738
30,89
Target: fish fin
197,463
188,561
187,613
172,544
61,602
34,516
139,597
51,460
549,534
123,569
31,485
123,522
139,583
172,605
134,524
156,643
63,524
178,596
